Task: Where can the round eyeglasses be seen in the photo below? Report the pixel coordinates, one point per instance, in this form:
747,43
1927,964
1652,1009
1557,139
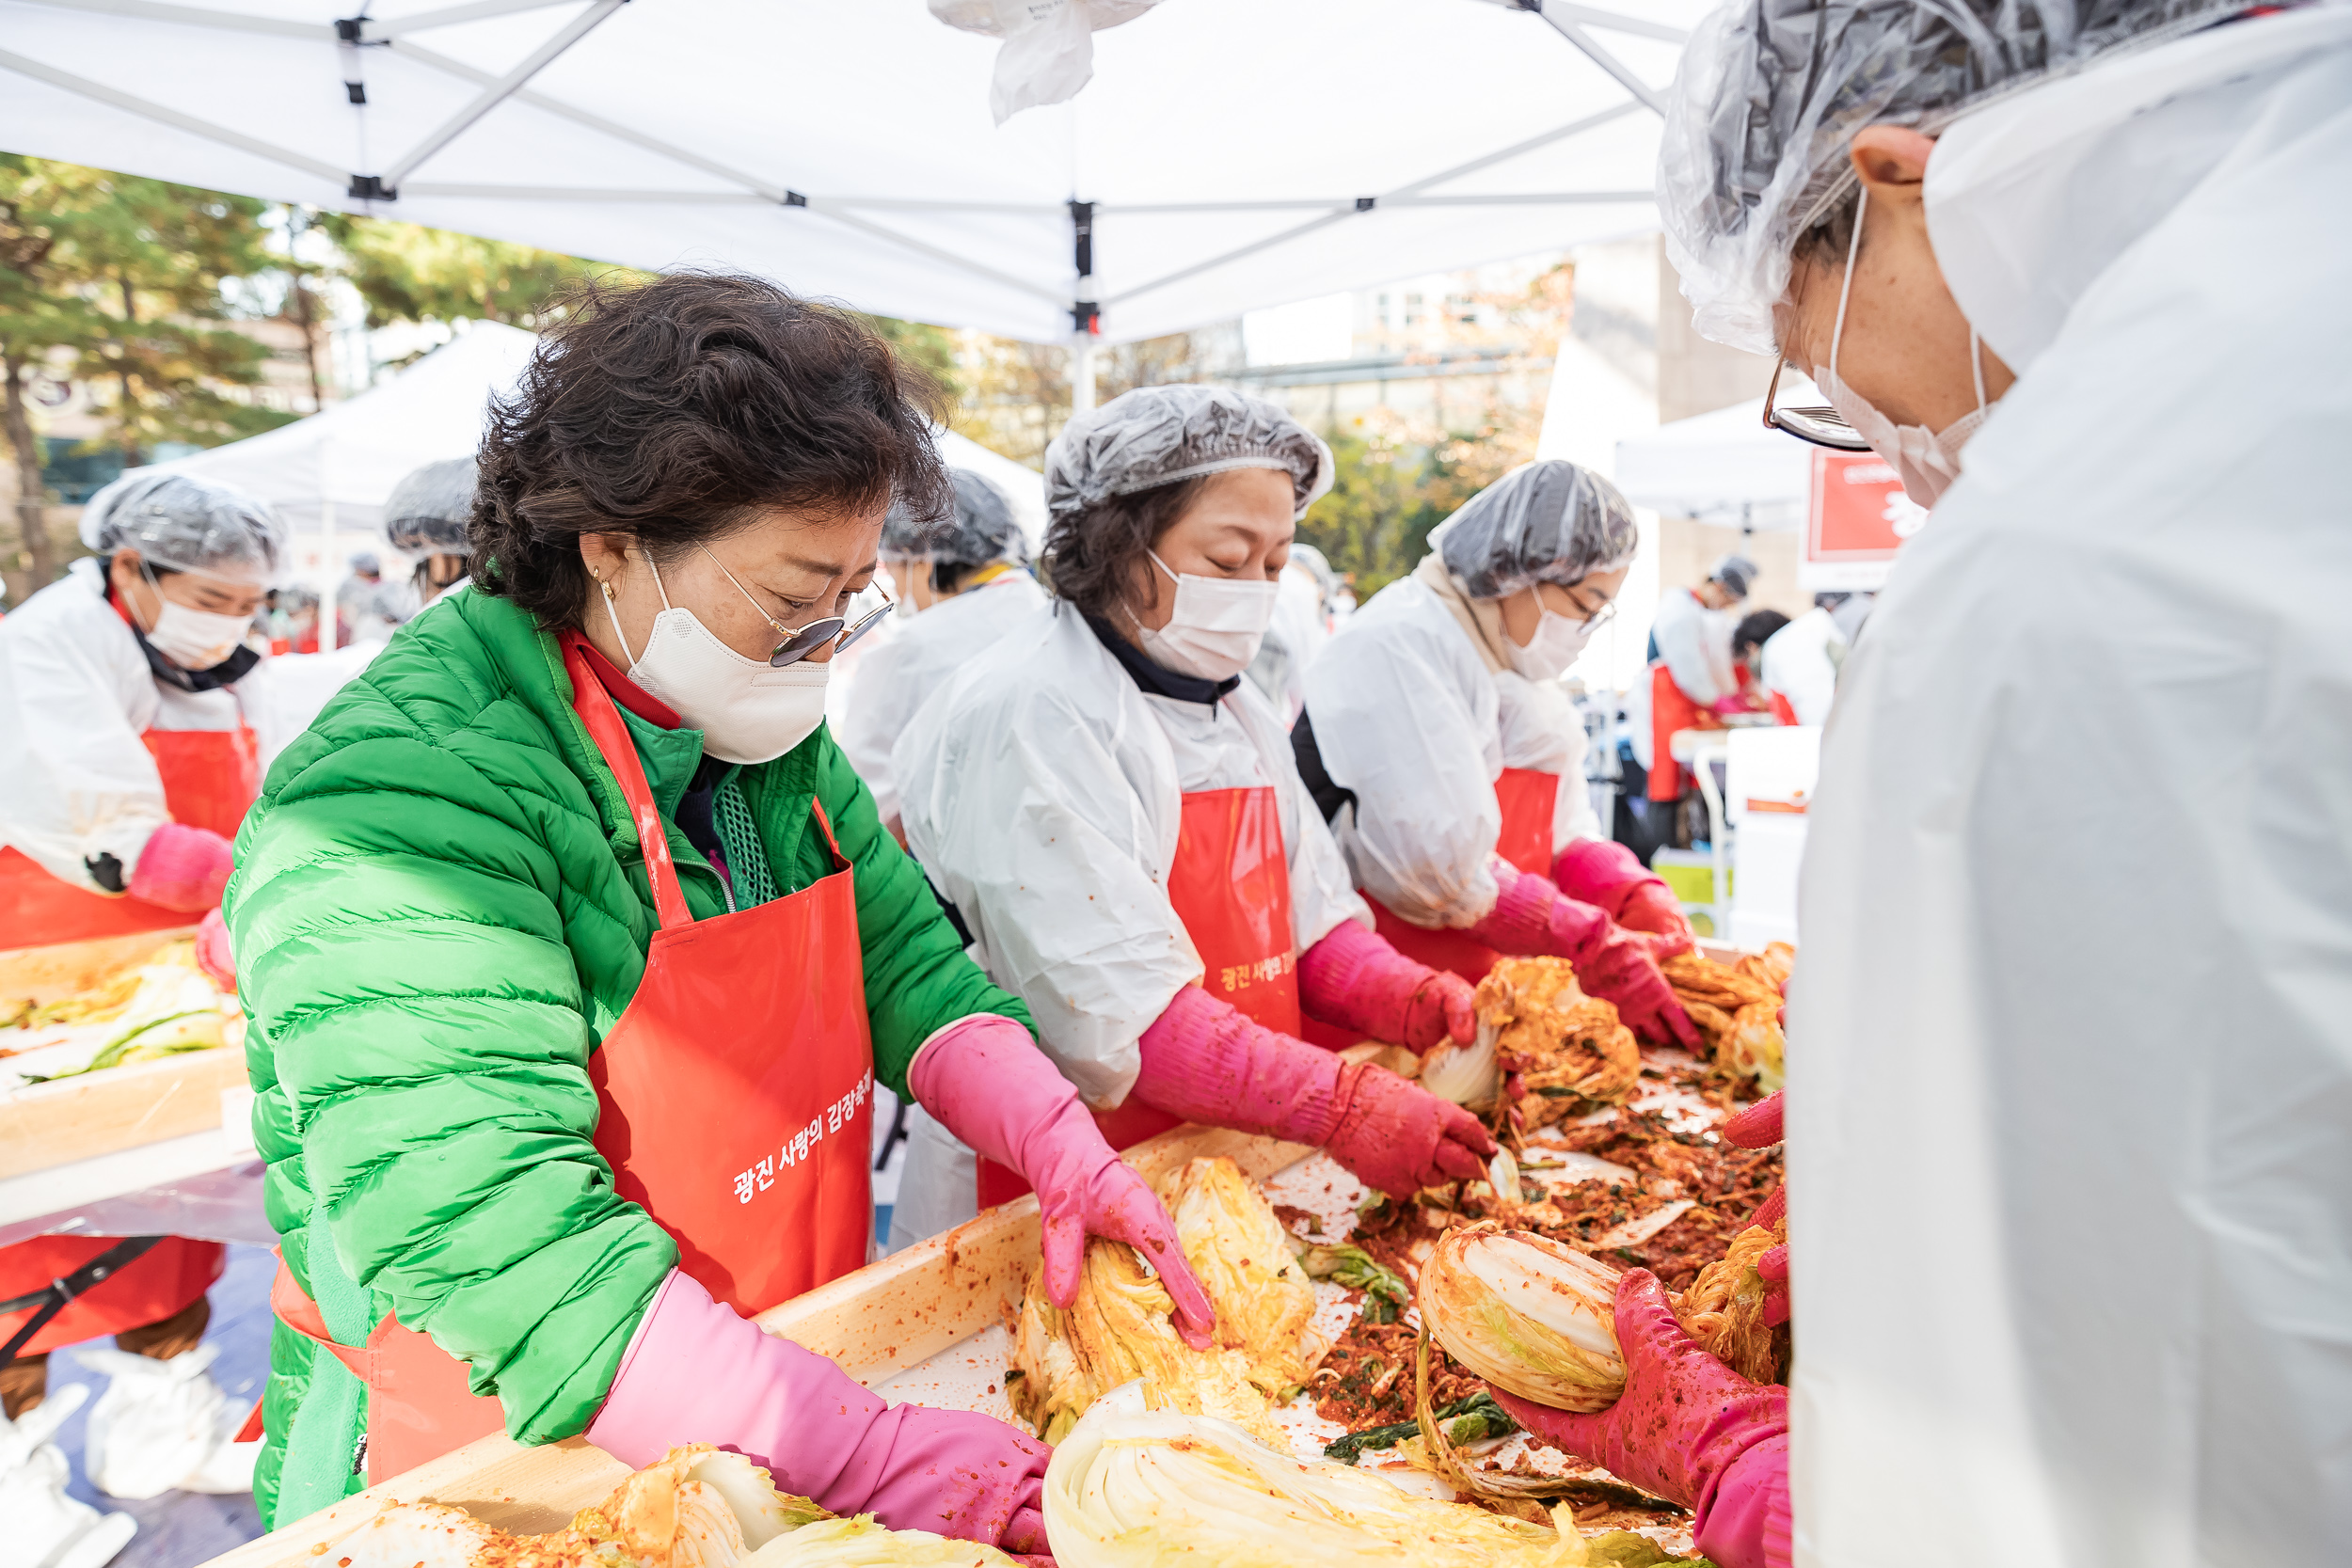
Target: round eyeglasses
801,642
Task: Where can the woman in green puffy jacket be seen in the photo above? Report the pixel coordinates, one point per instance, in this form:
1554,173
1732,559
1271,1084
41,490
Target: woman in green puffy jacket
573,947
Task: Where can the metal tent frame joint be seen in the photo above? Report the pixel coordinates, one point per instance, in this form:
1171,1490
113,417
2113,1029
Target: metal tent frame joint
1082,236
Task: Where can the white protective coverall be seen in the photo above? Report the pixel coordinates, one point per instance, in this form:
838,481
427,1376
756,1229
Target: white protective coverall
1799,664
921,658
1407,714
1043,794
75,694
2073,1029
1694,644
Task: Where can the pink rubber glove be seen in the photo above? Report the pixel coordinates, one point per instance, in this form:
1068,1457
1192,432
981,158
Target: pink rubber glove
1688,1428
697,1372
1206,1061
1611,877
181,868
987,1081
1617,965
213,955
1353,979
1759,1127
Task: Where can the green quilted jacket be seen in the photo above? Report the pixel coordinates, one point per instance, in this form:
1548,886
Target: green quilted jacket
440,908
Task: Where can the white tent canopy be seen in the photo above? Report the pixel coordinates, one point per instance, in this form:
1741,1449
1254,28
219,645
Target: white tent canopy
1725,468
335,469
1229,154
329,475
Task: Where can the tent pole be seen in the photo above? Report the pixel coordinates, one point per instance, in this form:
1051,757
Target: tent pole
1086,316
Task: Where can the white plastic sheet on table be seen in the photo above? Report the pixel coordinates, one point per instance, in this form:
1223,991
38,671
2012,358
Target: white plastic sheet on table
220,1204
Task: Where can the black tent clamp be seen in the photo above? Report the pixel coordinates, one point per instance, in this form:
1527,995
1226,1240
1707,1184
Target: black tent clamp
52,1297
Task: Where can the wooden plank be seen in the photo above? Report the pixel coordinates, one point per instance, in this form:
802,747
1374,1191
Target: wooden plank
497,1480
76,1118
56,972
883,1318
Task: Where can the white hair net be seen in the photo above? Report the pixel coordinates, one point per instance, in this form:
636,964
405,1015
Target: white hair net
981,530
1547,522
1156,435
187,524
1769,94
427,511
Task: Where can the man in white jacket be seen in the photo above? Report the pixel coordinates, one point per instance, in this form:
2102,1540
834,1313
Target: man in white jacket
2070,1061
1690,672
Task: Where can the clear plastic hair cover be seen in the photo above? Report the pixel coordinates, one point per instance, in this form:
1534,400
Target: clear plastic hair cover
427,511
982,529
1771,92
187,524
1156,435
1547,522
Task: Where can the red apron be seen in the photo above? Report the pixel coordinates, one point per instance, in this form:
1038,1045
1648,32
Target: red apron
1527,799
1230,886
151,1287
1669,711
209,777
734,1101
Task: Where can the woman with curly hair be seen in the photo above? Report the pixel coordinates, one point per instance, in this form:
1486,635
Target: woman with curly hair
573,949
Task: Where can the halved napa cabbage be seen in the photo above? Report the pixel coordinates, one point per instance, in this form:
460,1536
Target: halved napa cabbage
1526,1313
1119,1330
1136,1488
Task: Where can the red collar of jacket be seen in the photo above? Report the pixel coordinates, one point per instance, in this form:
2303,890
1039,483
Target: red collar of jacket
618,684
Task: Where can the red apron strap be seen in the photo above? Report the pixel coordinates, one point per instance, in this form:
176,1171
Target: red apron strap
603,720
298,1311
841,860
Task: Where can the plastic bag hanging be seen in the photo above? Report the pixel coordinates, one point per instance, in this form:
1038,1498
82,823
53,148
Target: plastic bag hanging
1049,44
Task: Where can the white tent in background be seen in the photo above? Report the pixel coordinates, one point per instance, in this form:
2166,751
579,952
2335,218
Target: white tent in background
328,475
340,464
1725,468
1229,154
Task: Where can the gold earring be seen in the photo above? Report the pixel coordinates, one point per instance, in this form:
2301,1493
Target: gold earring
609,595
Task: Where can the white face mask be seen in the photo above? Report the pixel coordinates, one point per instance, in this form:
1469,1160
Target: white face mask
1926,460
194,639
747,709
1557,642
1216,627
